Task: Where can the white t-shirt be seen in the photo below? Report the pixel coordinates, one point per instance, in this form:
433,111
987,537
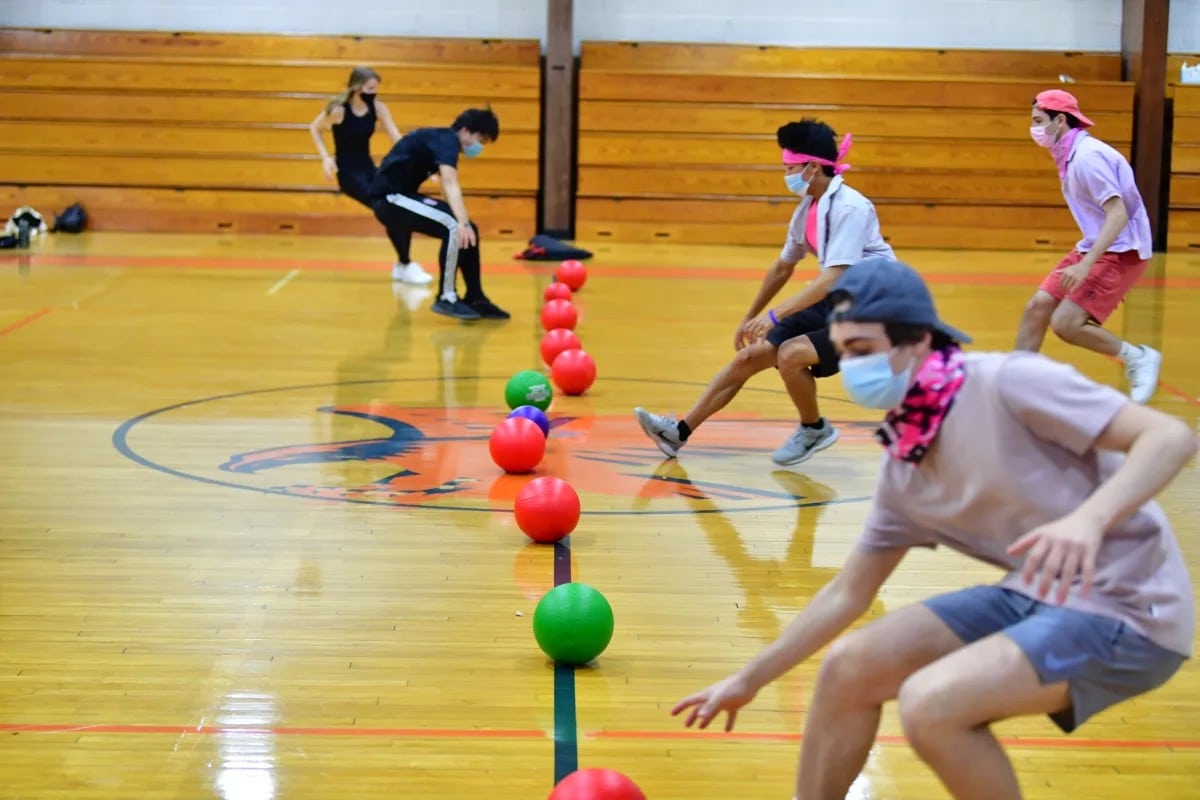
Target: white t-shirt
847,229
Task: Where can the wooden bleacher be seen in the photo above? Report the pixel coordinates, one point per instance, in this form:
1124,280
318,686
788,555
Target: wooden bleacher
1183,223
209,132
677,142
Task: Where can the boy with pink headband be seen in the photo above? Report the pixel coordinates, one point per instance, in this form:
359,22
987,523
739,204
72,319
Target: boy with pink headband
836,224
1091,281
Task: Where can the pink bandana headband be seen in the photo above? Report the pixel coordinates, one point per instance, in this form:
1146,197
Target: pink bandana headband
790,157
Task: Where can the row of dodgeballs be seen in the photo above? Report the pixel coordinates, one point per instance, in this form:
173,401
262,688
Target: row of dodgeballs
573,623
515,446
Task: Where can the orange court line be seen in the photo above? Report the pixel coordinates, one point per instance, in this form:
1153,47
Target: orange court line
492,733
520,268
955,279
221,730
21,323
1175,390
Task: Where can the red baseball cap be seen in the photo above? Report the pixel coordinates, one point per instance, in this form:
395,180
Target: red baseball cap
1062,102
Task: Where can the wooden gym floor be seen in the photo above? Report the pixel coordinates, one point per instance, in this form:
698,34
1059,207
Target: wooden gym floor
231,567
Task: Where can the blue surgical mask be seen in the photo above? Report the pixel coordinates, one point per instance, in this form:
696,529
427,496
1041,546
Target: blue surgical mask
473,150
870,382
796,183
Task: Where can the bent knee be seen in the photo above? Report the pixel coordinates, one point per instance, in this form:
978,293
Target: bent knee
1065,324
1041,305
1063,329
924,713
754,358
798,352
851,666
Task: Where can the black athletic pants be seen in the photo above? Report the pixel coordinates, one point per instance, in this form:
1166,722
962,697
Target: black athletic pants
420,214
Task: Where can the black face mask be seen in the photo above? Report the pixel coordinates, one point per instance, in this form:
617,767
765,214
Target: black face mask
367,98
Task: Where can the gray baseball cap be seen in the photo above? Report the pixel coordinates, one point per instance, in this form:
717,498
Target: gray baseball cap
883,290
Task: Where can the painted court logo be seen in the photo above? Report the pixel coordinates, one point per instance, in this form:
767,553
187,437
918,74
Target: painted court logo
383,453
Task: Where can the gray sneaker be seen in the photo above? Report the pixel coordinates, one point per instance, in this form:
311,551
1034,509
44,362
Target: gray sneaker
805,443
455,309
662,429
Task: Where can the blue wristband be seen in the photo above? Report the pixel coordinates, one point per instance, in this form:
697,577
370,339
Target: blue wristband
772,317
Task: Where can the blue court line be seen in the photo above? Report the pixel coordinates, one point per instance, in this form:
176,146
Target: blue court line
566,727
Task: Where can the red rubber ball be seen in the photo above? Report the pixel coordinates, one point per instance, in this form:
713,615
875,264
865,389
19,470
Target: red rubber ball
573,372
596,784
572,273
517,445
547,509
559,314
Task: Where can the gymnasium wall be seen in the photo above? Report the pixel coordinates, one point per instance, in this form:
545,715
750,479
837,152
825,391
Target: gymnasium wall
489,19
1005,24
982,24
1184,35
1090,25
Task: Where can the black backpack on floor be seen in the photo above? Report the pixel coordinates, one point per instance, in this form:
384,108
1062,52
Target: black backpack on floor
547,248
72,220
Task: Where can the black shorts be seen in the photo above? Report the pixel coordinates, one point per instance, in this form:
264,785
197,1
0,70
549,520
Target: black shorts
812,322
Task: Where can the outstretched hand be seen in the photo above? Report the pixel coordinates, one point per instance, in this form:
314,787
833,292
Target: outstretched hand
1062,550
727,695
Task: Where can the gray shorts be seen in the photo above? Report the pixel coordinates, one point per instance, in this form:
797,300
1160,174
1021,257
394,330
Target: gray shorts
1101,658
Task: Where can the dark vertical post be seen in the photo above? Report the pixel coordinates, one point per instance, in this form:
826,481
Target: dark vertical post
558,123
1144,56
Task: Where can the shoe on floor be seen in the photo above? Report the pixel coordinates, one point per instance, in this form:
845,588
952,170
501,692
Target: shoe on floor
663,430
455,309
410,273
1142,373
487,309
805,443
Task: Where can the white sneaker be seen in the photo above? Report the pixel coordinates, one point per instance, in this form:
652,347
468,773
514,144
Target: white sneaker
410,273
663,430
1142,374
805,443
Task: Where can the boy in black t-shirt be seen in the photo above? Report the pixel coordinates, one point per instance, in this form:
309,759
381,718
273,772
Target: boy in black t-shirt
399,205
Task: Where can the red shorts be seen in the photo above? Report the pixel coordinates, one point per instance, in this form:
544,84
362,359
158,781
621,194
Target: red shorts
1112,276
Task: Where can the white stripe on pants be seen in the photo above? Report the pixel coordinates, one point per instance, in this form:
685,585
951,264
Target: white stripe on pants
434,213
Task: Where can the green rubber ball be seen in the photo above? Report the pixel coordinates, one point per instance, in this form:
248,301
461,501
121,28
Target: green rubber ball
573,623
528,388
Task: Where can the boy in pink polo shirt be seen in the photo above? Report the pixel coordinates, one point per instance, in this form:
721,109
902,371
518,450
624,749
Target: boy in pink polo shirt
1091,281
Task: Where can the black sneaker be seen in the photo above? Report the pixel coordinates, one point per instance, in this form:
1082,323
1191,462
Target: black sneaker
488,310
456,309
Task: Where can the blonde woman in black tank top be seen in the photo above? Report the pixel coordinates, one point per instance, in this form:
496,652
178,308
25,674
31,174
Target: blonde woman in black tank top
352,117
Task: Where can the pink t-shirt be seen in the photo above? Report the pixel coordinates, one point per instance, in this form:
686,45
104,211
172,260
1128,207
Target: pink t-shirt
810,228
1015,451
